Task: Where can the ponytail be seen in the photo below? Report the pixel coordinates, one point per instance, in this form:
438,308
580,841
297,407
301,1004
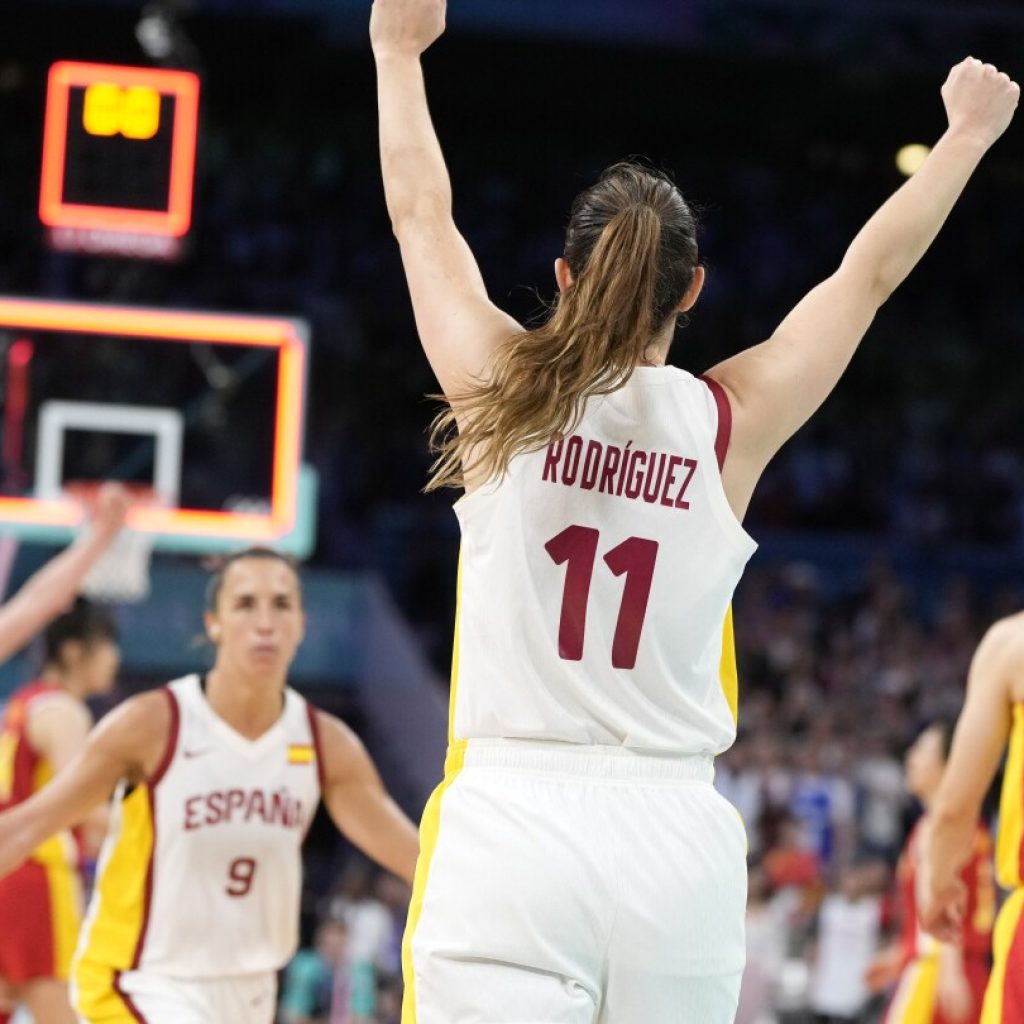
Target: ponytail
601,325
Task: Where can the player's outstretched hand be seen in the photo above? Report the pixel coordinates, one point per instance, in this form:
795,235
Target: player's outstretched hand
980,100
405,27
108,514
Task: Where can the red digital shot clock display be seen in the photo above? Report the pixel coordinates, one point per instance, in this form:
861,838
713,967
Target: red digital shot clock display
119,151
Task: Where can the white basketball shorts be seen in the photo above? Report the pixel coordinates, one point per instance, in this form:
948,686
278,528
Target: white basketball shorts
575,885
155,999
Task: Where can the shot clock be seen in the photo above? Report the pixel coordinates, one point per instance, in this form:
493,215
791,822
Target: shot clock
119,151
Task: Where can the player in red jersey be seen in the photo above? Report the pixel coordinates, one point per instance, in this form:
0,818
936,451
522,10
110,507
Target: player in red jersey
44,727
939,983
993,716
43,597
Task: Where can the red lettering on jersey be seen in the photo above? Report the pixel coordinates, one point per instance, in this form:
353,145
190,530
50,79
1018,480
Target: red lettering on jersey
612,455
279,808
215,807
242,806
573,450
622,472
651,493
637,462
257,806
192,819
235,800
590,465
674,462
691,468
551,462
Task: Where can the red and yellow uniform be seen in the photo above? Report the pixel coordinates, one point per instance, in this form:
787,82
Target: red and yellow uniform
41,902
915,1000
1004,1000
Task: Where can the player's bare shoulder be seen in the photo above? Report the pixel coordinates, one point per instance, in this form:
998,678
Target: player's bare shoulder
1001,655
343,752
138,732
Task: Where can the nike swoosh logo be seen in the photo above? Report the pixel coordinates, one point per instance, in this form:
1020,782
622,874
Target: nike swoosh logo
197,753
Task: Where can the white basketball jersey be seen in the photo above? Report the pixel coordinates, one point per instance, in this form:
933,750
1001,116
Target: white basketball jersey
201,872
596,580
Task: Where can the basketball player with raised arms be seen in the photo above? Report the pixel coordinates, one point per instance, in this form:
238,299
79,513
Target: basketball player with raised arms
576,863
993,714
44,725
216,778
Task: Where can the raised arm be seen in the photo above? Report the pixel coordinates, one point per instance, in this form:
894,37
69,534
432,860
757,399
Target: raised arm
777,385
46,594
359,804
977,749
458,325
128,743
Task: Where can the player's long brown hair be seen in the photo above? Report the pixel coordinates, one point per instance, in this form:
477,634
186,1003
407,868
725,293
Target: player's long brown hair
631,245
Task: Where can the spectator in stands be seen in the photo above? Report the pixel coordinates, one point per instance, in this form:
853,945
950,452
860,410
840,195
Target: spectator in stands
848,928
309,980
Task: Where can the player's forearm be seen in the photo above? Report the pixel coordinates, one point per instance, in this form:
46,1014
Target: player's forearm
893,241
56,584
415,175
950,840
21,832
48,592
393,841
371,820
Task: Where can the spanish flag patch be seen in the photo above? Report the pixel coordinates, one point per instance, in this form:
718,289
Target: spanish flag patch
301,753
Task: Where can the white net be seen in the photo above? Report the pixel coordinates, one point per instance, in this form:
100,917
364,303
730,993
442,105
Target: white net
121,576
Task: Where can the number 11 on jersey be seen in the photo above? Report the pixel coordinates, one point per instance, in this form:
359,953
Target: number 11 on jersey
634,558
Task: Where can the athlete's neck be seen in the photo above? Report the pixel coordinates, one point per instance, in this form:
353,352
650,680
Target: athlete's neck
250,704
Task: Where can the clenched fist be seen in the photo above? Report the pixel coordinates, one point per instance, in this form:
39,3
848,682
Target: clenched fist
980,100
405,27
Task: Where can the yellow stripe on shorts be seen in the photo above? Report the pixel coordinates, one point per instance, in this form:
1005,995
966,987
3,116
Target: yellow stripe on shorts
914,999
1006,930
430,824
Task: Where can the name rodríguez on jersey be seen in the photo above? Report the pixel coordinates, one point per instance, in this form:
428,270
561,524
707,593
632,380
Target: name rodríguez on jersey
661,478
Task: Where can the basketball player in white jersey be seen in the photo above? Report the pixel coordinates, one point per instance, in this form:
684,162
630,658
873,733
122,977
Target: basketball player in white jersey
52,589
217,778
576,864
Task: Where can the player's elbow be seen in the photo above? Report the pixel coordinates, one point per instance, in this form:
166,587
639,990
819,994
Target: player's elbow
873,280
418,214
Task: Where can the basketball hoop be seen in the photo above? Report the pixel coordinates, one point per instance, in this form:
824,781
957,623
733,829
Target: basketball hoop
121,576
